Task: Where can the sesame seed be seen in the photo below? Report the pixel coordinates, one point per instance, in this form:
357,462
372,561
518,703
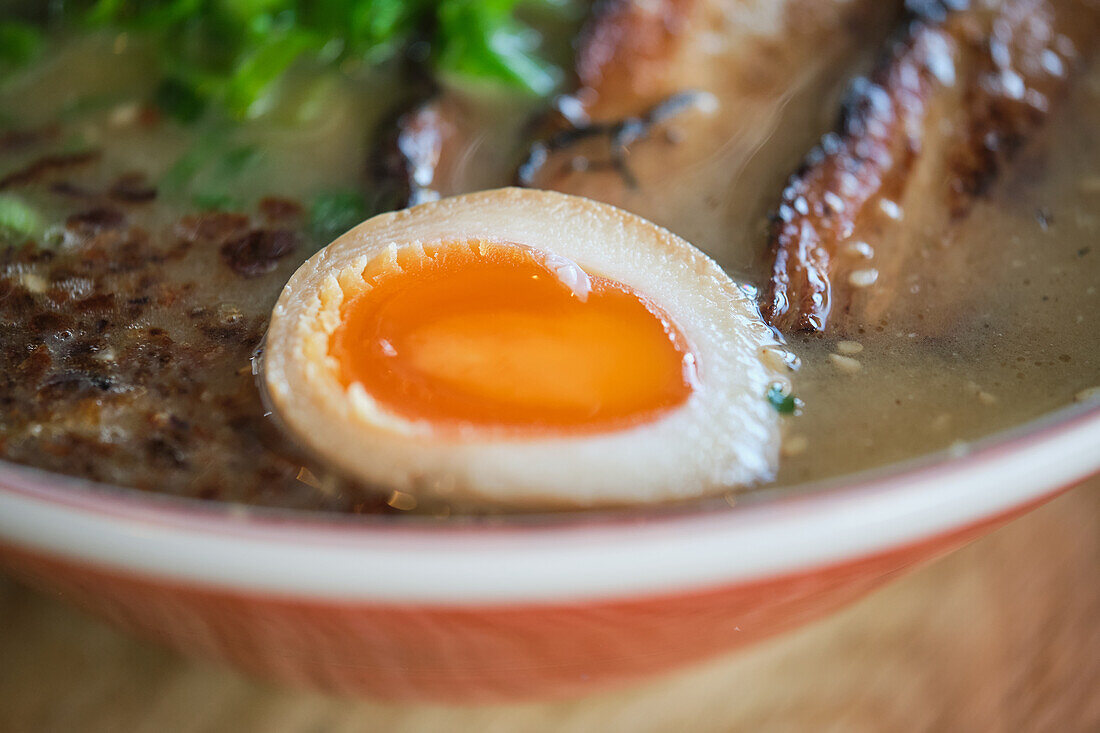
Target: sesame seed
863,278
401,500
795,445
782,386
33,283
890,208
859,249
124,114
779,359
308,478
833,201
958,449
849,348
707,103
1052,63
845,364
1012,84
1092,393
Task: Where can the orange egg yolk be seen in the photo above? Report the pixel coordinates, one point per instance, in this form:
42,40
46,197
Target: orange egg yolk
499,336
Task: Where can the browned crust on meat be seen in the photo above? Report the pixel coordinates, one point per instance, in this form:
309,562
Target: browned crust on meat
822,203
997,69
411,151
624,45
622,53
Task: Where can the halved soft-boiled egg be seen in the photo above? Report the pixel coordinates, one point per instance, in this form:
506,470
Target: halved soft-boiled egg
524,347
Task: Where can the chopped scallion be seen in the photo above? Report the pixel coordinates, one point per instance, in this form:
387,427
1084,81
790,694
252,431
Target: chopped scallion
17,217
19,43
784,403
334,212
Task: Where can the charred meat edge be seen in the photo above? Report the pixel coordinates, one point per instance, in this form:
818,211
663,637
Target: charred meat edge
1007,58
620,63
624,46
410,144
619,136
619,43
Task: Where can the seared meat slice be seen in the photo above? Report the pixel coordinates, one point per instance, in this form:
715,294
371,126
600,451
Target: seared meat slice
405,161
756,74
445,142
623,53
955,96
621,50
620,135
671,98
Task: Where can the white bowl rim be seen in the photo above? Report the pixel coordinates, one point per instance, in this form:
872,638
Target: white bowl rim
518,561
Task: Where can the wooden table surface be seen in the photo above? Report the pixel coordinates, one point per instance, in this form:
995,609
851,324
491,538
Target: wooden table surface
1003,635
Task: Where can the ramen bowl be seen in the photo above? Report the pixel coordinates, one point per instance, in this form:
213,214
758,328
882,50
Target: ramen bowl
513,607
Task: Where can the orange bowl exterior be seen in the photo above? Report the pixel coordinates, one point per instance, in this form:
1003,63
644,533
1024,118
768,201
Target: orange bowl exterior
468,653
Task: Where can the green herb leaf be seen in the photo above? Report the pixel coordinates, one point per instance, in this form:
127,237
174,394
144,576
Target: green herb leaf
211,171
247,10
105,11
259,69
17,217
233,52
215,201
479,40
19,43
179,178
784,404
334,212
237,160
179,100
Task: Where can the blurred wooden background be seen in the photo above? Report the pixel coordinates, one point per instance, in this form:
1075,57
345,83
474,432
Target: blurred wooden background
1003,635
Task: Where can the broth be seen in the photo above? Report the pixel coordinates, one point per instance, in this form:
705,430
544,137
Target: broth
1018,337
130,323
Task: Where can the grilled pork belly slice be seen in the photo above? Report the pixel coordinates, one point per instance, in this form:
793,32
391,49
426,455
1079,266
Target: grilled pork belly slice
747,81
955,97
688,112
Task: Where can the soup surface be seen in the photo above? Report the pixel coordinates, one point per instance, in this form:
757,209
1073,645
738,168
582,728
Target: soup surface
133,301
